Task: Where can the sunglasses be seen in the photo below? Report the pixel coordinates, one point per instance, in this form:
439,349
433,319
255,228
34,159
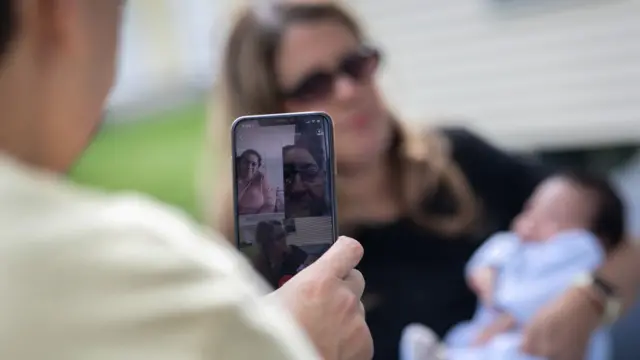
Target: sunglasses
308,173
358,66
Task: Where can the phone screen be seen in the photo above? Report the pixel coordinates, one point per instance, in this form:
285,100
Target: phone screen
284,191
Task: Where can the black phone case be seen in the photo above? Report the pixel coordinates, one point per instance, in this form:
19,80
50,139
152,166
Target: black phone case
286,118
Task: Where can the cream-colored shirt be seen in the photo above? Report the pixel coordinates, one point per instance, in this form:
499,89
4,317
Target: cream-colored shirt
85,275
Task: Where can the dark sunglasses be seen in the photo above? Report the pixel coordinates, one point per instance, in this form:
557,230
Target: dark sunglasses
358,66
307,173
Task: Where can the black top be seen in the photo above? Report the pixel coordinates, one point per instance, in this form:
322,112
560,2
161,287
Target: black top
417,275
291,262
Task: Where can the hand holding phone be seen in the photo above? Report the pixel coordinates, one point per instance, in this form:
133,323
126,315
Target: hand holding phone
284,191
325,299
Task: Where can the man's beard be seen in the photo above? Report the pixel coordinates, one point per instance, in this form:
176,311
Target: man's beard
305,202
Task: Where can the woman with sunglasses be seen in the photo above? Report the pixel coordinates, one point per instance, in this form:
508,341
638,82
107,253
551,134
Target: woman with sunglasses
419,201
255,196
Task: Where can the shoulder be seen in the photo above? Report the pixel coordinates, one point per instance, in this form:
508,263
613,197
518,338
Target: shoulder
132,213
471,150
474,153
473,170
165,227
130,236
463,139
501,179
116,264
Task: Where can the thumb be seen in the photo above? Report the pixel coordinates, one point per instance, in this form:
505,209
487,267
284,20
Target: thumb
341,258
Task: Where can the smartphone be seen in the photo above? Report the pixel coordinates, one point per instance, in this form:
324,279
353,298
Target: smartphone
284,191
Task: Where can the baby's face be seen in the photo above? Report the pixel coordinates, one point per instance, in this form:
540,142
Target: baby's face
557,205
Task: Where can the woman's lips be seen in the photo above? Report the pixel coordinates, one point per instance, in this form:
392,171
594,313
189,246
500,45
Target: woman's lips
360,121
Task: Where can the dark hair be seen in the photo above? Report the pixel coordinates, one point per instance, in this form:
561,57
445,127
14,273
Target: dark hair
247,153
268,232
315,151
609,219
7,24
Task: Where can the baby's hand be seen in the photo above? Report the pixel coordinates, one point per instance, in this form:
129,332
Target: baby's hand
502,324
482,281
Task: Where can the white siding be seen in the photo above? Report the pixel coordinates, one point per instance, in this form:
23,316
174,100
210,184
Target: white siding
167,48
558,74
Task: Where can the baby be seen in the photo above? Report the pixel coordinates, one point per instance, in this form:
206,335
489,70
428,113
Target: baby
568,225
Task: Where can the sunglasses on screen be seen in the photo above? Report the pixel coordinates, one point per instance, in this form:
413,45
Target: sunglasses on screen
307,172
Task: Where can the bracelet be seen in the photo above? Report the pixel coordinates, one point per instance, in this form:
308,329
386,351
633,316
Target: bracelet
602,297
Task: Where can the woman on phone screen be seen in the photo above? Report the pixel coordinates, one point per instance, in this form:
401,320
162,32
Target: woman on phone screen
254,193
419,201
277,259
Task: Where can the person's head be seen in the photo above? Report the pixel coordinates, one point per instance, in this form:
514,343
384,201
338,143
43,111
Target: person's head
272,239
308,56
304,181
288,56
569,201
57,65
248,163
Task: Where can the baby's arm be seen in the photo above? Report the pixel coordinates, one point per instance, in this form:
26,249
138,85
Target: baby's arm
503,323
493,253
482,269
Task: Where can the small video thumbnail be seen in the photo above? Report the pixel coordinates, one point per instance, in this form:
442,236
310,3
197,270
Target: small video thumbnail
259,169
279,249
306,192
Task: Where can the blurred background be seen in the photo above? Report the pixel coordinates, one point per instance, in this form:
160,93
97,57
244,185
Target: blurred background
555,79
558,79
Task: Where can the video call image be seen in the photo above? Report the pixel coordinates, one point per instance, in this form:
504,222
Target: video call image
283,198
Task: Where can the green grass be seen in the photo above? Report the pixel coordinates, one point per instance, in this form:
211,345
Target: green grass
157,155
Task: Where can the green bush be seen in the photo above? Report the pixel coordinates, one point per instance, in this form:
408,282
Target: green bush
157,155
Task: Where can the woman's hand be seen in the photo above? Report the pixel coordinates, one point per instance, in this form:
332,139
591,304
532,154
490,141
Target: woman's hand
269,196
562,330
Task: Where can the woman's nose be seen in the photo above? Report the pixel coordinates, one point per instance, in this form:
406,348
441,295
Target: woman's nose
345,88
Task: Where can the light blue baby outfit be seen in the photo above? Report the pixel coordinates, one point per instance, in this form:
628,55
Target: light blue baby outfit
530,275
